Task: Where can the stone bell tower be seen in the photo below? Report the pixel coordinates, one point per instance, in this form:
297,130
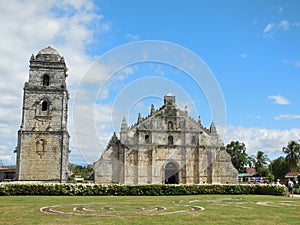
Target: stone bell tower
43,138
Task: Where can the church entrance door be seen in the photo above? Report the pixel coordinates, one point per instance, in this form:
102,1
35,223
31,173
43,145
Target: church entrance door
171,173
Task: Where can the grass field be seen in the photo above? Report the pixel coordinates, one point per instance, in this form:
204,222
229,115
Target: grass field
218,209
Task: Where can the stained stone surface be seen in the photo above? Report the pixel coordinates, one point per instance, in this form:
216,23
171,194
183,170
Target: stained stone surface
167,146
43,139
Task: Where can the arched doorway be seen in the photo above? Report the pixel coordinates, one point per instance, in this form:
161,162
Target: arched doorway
171,173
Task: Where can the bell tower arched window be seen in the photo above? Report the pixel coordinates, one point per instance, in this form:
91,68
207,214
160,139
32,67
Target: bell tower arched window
46,80
147,139
170,140
44,106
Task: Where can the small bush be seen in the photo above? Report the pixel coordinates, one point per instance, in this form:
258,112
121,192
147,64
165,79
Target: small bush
15,188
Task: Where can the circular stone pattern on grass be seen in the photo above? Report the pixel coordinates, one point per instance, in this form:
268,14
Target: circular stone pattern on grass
122,210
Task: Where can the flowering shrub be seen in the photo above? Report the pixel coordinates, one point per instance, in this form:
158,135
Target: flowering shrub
15,188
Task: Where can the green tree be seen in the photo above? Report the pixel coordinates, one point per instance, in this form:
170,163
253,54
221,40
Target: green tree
292,151
251,161
270,177
239,157
84,171
261,163
278,167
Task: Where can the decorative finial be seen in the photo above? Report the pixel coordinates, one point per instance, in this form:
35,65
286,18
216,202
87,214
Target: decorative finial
124,125
199,120
114,139
186,110
213,128
32,57
139,118
152,109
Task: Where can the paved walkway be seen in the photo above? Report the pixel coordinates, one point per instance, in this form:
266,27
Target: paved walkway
298,196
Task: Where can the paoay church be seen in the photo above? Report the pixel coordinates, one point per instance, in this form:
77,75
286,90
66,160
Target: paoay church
165,147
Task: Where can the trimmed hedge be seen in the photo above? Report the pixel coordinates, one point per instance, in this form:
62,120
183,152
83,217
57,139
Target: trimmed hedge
15,188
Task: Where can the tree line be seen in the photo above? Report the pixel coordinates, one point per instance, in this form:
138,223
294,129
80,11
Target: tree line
86,172
271,169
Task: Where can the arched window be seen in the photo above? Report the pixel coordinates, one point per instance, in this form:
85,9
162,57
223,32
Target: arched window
170,140
171,173
46,80
147,139
170,125
194,140
44,106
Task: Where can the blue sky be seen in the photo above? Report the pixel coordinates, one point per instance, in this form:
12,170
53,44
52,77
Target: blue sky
251,47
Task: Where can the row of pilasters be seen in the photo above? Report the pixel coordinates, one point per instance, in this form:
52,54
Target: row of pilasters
147,166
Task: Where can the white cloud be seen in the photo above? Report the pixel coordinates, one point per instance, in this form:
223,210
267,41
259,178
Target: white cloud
287,116
128,70
243,55
296,24
91,130
253,117
269,27
4,157
78,4
280,10
294,63
285,24
270,141
124,73
187,105
297,64
28,26
97,73
280,100
133,37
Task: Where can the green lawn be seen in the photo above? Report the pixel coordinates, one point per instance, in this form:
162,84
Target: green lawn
218,209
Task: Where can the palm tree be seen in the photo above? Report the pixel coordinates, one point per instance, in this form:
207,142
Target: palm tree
261,163
293,154
251,161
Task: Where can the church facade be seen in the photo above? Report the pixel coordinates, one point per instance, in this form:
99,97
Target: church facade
43,138
165,147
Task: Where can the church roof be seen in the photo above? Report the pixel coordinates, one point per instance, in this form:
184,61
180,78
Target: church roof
169,94
48,51
49,54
